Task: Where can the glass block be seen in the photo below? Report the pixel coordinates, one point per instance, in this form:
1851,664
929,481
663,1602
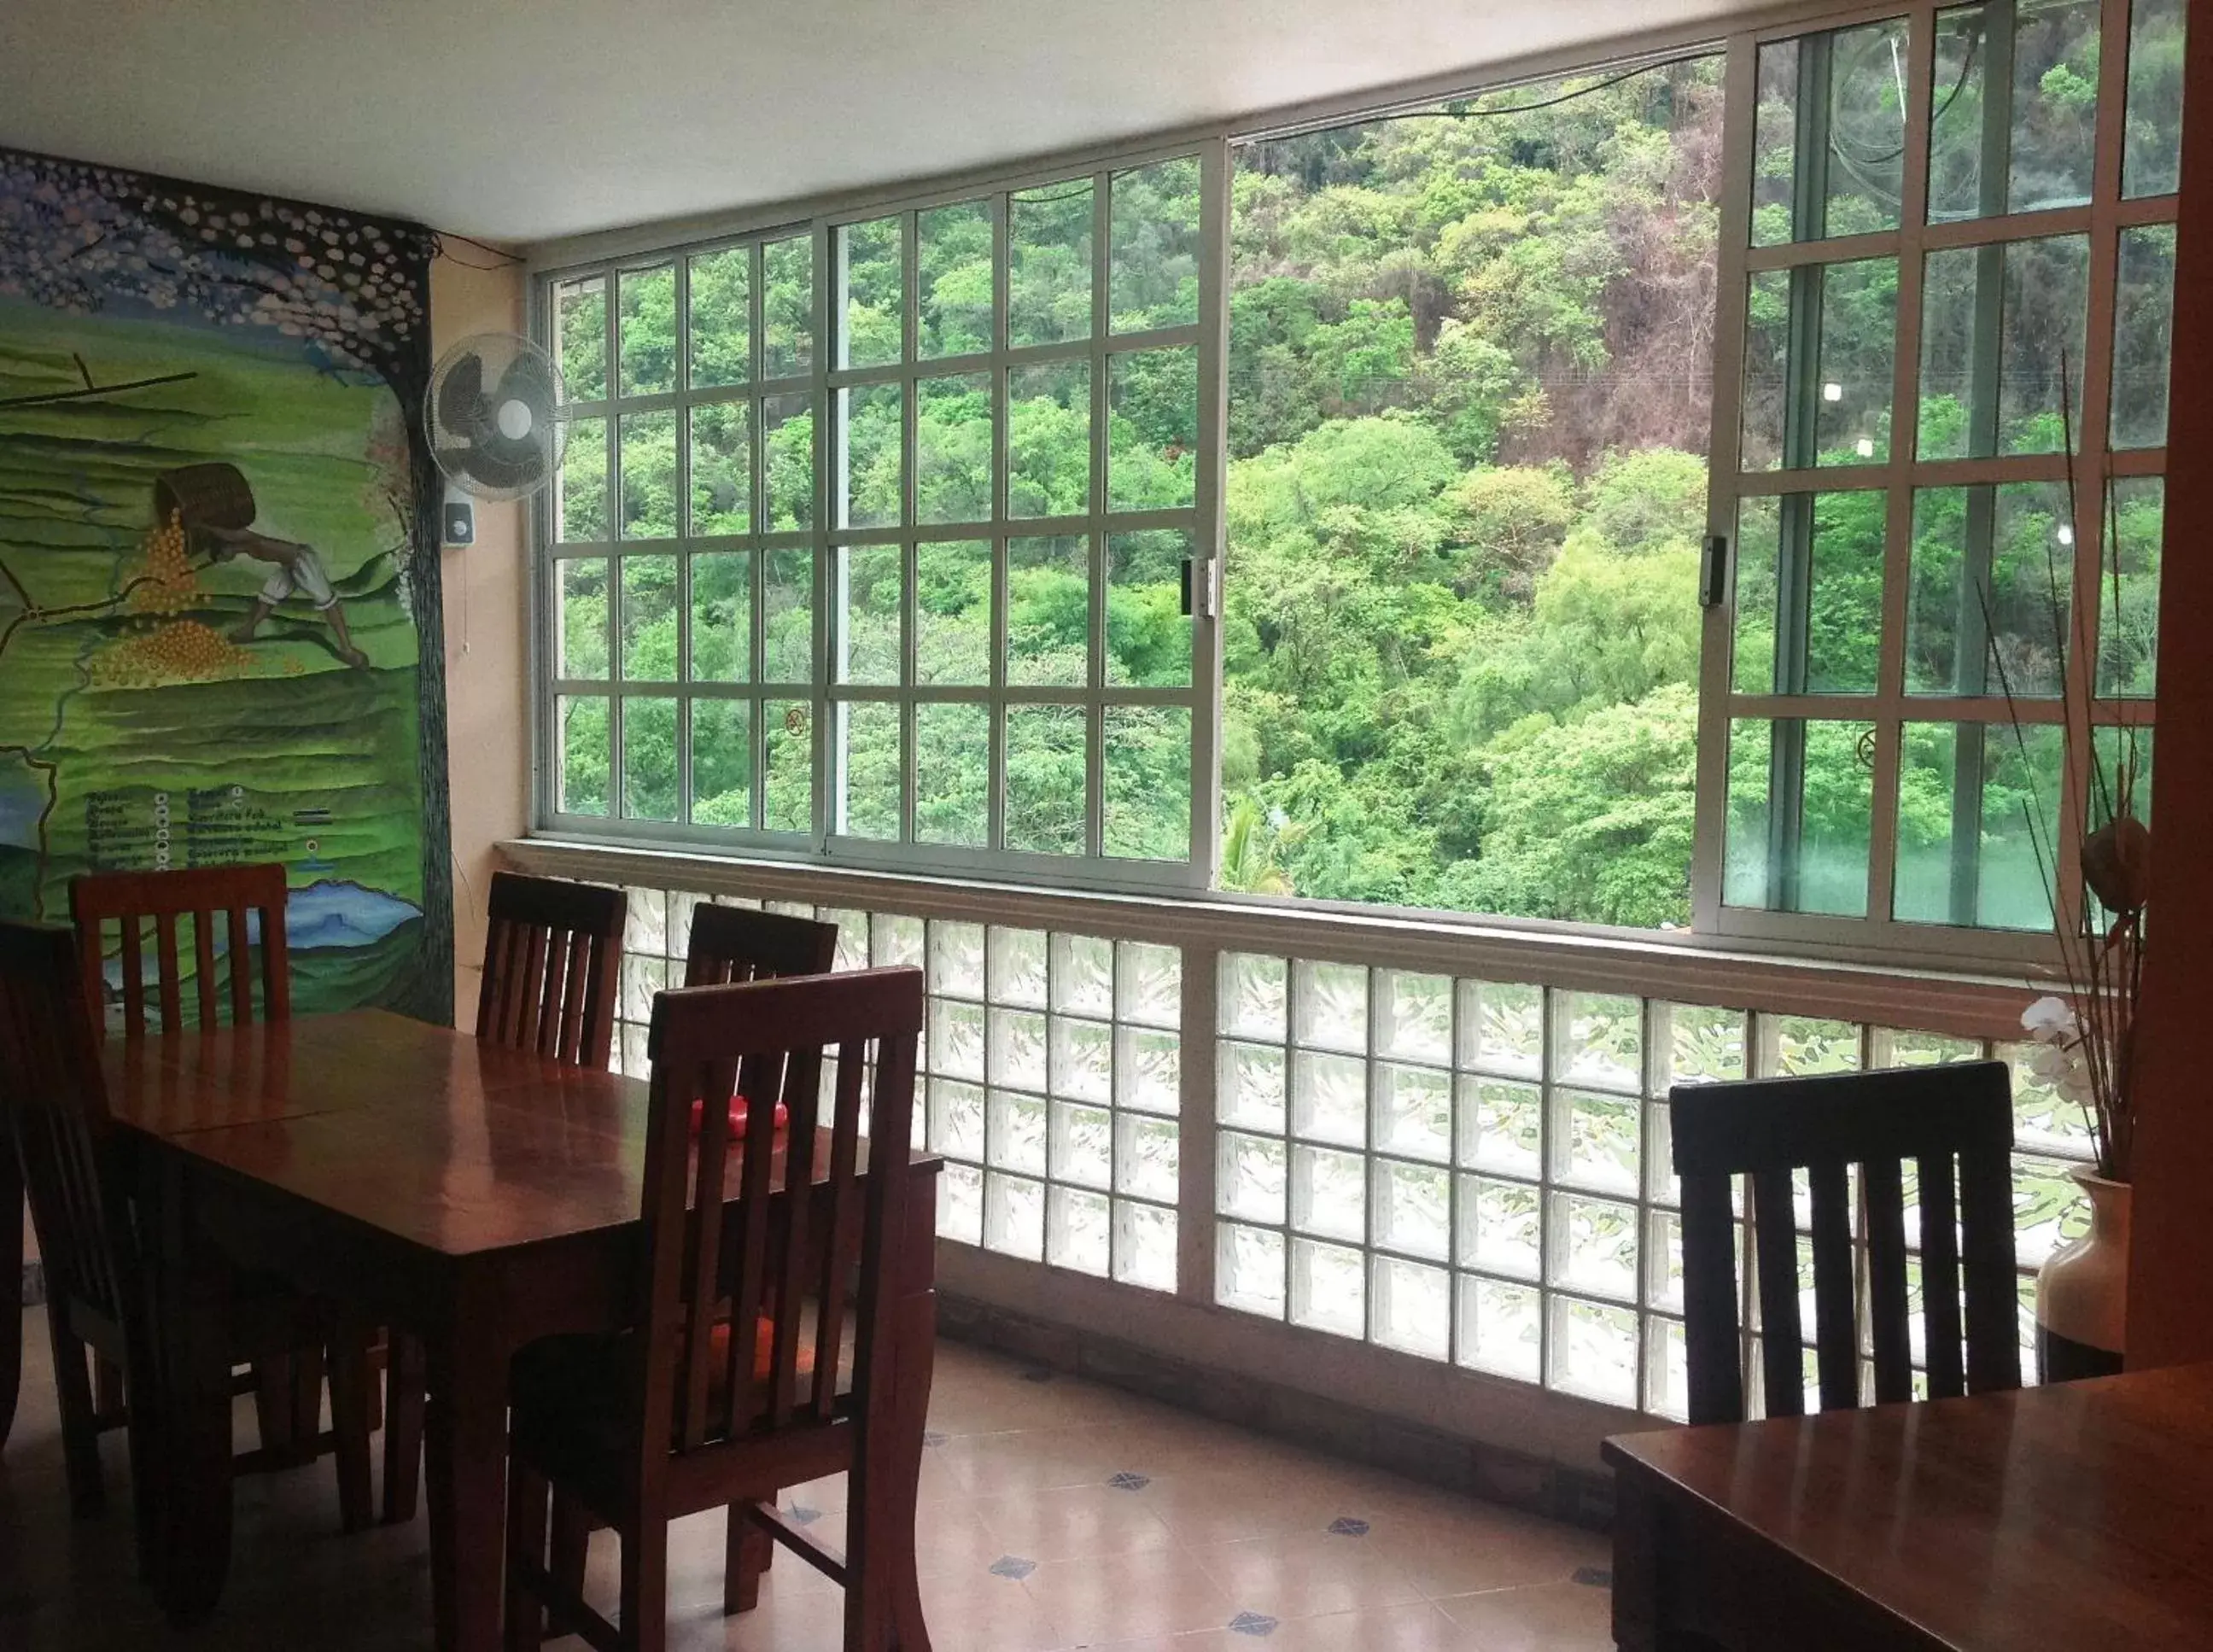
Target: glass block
1413,1208
1249,1177
1329,1097
1666,1369
1502,1328
789,908
895,939
1413,1111
1601,1040
1082,1145
956,1120
1413,1308
1663,1260
1018,1049
1897,1047
961,1204
1145,1157
1501,1226
1329,1003
1083,1059
956,1040
1249,1087
1703,1043
1253,996
1594,1351
1018,967
1084,975
1594,1245
676,932
642,977
852,936
1016,1133
637,1061
1144,1245
1328,1192
2043,1117
1328,1287
1803,1043
1149,985
1661,1184
1417,1017
645,926
1248,1270
1502,1126
1078,1231
1148,1070
1596,1140
2049,1208
956,959
1014,1215
1501,1027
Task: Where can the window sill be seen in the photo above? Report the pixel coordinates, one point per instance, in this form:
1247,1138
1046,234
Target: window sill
1677,966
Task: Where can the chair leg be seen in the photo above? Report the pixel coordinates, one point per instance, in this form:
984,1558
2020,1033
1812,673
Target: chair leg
525,1616
572,1549
350,1425
273,1403
306,1402
80,1420
747,1550
644,1625
108,1399
404,1384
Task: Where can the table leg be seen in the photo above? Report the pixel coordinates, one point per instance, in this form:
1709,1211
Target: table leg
468,1439
11,1273
186,1511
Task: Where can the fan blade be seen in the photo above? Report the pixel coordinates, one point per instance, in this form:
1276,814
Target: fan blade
519,467
461,396
528,380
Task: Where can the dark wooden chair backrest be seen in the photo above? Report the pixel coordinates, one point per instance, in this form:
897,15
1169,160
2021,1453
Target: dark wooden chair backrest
734,943
1956,1122
246,904
814,1220
55,1106
553,960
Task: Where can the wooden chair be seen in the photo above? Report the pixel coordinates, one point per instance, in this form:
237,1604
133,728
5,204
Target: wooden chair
236,906
553,961
56,1105
735,944
1765,1130
552,968
679,1415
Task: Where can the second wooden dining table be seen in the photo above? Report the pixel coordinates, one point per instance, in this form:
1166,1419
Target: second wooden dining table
477,1197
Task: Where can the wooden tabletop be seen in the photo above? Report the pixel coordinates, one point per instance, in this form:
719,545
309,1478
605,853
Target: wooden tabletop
2077,1515
419,1131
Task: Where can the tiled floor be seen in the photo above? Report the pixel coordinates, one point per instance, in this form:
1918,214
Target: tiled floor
1057,1514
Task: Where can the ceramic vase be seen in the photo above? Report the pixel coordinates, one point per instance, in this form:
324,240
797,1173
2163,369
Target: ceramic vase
2082,1292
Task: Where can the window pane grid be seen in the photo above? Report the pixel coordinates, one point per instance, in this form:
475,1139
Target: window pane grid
2013,255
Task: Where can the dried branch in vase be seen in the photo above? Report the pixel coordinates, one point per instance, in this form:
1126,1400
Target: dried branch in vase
2086,1036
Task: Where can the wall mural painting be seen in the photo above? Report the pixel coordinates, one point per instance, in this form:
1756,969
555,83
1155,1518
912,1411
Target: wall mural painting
219,603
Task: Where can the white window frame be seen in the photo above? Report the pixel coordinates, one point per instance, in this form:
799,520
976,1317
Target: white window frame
824,844
1872,940
2095,464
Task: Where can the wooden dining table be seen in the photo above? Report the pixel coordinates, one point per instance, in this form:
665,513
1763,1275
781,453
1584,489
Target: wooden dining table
475,1197
2074,1516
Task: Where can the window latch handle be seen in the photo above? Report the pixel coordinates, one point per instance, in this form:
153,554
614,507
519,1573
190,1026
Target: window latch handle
1190,576
1713,571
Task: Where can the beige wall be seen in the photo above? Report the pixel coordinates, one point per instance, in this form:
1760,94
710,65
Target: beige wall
487,600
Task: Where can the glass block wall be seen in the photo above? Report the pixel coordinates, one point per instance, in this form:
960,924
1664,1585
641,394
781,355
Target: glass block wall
1051,1076
1463,1170
1479,1171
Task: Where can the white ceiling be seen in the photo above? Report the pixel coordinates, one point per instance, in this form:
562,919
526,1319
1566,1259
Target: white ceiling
524,119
